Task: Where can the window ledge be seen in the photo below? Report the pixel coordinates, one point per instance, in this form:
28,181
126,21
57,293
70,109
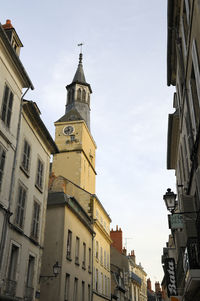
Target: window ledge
26,172
68,258
39,188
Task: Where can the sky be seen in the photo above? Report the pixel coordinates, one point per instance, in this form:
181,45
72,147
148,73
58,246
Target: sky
124,61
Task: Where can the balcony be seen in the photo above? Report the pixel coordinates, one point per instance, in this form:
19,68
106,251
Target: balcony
10,287
192,267
135,278
28,296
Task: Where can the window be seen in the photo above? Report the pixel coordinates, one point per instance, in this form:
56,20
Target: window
39,176
96,280
35,222
88,99
77,250
79,94
26,156
83,291
105,258
84,255
104,285
89,260
7,106
21,199
97,249
67,282
89,292
13,263
69,97
106,289
101,255
194,95
75,289
30,272
72,137
108,267
2,163
69,244
84,95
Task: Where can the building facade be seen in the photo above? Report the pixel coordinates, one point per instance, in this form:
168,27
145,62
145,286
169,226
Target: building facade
183,72
68,241
75,164
25,149
134,276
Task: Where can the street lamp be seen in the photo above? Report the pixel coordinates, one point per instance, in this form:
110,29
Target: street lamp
56,271
170,200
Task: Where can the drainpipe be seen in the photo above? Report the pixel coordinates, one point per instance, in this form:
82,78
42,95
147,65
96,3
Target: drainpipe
93,236
7,211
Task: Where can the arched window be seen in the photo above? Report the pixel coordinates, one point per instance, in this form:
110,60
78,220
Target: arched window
88,99
79,94
69,97
72,95
84,95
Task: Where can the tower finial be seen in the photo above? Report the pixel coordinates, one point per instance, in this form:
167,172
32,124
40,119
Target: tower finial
80,55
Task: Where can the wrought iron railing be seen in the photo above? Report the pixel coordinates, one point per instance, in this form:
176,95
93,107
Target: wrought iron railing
134,277
10,287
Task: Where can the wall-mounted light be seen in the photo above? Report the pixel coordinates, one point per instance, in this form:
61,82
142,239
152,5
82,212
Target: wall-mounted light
170,200
56,271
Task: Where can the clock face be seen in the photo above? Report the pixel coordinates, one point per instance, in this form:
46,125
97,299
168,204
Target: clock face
68,130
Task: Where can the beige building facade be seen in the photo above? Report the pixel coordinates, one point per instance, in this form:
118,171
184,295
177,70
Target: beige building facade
26,146
137,280
68,241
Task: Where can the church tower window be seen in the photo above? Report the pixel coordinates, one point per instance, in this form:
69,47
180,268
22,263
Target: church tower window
84,95
79,94
72,95
88,100
69,97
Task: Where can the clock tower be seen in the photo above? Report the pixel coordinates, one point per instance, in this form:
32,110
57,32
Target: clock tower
76,158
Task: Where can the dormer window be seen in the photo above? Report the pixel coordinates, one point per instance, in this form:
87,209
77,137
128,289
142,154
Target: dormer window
12,36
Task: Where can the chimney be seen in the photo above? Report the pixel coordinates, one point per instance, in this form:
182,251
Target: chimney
133,255
157,287
8,25
149,284
124,252
116,236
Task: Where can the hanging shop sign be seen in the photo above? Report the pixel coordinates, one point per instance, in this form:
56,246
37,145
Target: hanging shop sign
175,221
170,274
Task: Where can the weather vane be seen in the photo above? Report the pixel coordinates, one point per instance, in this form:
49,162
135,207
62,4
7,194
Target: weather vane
80,45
